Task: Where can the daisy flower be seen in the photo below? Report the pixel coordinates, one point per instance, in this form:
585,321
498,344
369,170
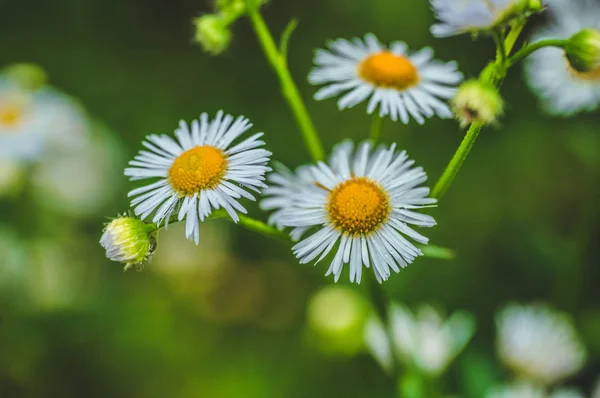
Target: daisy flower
564,90
539,344
199,172
527,390
402,85
426,340
27,120
462,16
362,203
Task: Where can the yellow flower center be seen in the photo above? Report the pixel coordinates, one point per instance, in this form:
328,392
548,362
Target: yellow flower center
389,70
11,113
199,168
592,75
358,206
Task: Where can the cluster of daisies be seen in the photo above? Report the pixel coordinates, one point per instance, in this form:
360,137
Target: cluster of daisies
361,206
360,203
538,344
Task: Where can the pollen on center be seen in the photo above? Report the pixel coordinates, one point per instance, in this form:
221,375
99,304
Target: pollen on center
358,206
386,69
9,115
199,168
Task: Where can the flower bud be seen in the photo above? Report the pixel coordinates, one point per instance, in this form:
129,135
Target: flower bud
336,318
535,6
583,51
230,6
28,76
212,33
129,241
477,102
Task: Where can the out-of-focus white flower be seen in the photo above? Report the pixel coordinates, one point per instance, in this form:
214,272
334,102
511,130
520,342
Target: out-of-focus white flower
32,122
528,390
425,340
471,16
402,85
203,170
80,182
538,343
562,88
362,202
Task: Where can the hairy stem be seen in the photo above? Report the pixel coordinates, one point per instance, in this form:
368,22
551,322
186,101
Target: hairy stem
288,87
494,73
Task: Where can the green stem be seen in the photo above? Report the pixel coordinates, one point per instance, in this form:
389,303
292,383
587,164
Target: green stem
289,89
263,228
457,161
512,37
527,50
494,73
375,132
500,48
245,221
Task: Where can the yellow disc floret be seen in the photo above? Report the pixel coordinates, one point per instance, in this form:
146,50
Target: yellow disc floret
358,206
199,168
10,116
386,69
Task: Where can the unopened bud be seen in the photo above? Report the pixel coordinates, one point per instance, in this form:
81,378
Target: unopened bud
129,241
28,76
583,51
231,6
535,5
477,102
336,318
212,33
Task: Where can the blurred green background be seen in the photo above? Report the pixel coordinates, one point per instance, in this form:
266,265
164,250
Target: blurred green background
228,319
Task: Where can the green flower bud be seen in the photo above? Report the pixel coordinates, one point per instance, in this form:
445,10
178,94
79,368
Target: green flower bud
230,6
29,76
535,6
477,102
336,318
583,51
212,33
129,241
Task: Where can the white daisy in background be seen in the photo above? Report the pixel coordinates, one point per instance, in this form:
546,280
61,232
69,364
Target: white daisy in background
425,341
538,343
402,85
471,16
527,390
200,172
33,121
24,122
362,203
564,90
284,186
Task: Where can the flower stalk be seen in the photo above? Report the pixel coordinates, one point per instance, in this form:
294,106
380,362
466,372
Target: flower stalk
494,73
278,61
